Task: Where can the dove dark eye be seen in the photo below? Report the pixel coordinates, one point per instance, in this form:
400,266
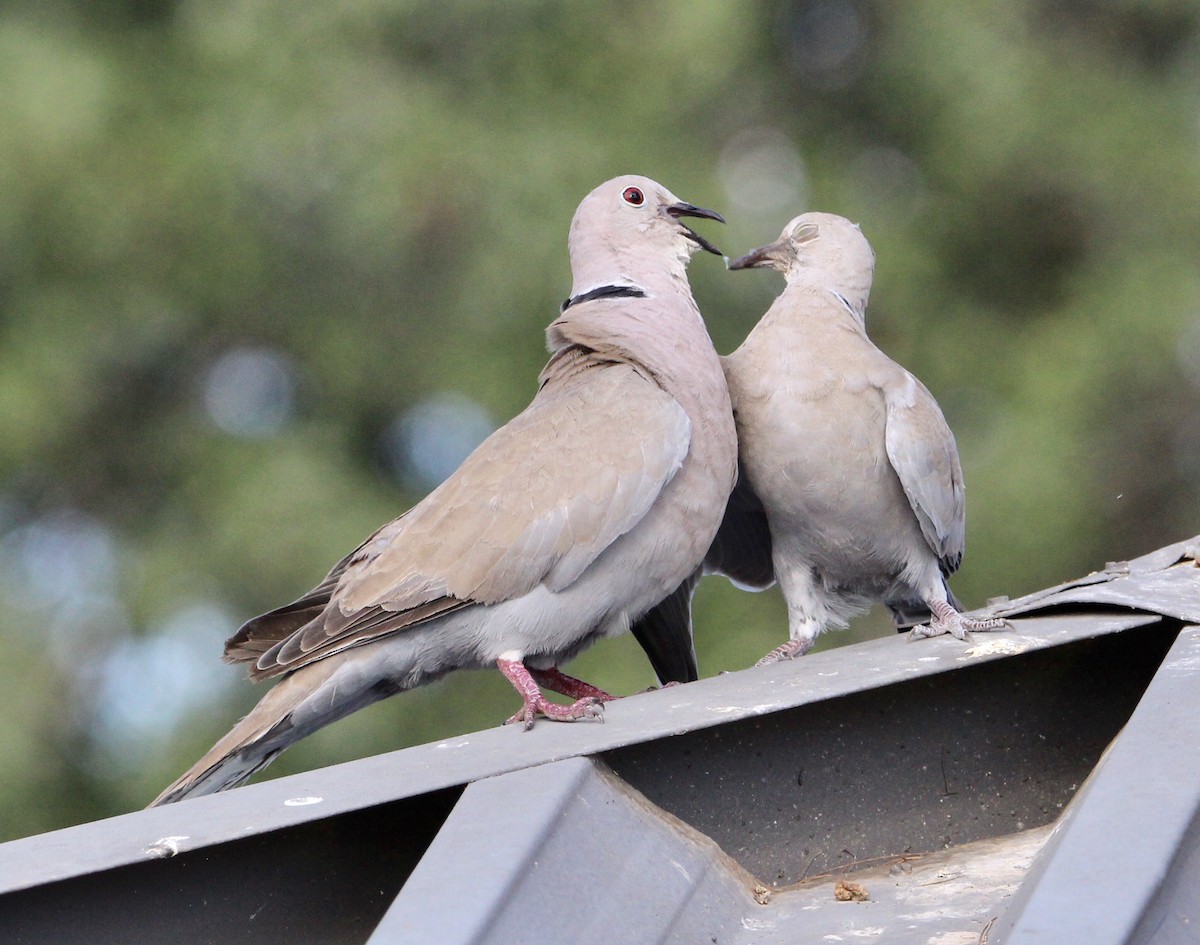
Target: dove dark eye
633,197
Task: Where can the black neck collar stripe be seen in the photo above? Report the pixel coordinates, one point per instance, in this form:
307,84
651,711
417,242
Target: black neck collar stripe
604,292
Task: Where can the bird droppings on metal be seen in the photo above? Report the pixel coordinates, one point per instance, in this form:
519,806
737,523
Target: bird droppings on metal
454,743
166,847
761,709
302,801
956,938
1000,646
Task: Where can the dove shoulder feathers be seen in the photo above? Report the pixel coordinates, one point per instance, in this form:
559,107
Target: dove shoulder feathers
566,525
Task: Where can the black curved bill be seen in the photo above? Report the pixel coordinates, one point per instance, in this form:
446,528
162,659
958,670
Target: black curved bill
682,209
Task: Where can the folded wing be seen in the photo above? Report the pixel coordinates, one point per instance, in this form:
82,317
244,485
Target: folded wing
535,504
923,453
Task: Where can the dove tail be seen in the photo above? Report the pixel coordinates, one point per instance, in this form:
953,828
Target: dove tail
296,706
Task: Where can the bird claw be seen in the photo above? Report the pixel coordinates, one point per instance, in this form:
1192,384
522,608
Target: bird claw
936,628
787,651
587,708
957,625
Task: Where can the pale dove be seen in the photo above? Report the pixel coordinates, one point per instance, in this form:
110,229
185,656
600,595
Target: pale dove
565,526
851,490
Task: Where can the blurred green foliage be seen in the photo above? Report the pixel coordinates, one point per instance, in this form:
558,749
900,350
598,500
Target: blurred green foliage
242,240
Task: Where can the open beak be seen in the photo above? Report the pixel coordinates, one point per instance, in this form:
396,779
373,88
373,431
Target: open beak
677,210
764,256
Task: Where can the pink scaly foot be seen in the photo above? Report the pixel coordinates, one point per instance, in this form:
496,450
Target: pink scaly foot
558,681
537,704
948,620
788,651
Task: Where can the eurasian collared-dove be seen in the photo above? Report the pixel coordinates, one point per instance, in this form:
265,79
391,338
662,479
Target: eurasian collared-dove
851,490
566,525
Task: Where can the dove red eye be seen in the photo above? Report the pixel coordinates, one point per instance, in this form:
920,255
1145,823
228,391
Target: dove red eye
633,196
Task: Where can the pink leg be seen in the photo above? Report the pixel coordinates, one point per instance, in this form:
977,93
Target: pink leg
537,704
557,681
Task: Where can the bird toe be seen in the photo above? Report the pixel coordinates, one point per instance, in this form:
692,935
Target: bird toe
787,651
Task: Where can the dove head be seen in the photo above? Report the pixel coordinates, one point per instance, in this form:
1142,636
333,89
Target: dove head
820,249
629,231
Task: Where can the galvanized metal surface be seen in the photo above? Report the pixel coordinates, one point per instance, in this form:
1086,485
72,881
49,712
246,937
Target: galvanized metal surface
1133,828
647,717
327,881
948,898
603,866
1162,582
932,773
600,864
913,767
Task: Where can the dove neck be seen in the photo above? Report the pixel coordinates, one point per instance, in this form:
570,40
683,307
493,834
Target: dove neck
850,295
858,311
656,271
665,337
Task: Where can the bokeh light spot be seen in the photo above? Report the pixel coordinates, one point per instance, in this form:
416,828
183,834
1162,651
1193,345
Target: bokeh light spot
431,439
762,172
250,392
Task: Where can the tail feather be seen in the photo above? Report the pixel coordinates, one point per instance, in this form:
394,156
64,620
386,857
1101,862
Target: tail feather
665,633
253,743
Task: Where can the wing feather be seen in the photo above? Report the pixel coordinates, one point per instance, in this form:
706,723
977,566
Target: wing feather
536,503
922,450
